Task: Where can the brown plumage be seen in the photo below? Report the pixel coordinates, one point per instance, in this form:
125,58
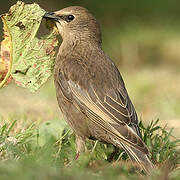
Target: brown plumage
90,90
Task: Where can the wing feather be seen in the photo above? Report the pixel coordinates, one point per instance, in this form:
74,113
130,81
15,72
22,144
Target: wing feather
107,118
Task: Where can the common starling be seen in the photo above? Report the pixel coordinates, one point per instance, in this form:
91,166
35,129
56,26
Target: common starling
90,90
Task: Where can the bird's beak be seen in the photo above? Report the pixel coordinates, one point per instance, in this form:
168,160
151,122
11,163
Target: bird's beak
51,15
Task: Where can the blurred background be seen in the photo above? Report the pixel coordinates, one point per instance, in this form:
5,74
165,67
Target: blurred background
143,39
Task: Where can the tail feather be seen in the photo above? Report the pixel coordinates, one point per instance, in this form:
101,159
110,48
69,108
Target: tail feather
139,157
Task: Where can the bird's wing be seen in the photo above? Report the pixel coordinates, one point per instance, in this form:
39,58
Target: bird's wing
112,111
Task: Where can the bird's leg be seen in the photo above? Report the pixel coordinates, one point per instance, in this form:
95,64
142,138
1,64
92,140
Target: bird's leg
80,146
113,154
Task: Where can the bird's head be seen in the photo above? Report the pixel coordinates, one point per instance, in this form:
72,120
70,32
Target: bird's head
76,22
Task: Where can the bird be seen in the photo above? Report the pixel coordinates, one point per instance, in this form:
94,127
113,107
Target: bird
90,90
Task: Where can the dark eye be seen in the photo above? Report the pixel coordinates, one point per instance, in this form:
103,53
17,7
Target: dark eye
70,17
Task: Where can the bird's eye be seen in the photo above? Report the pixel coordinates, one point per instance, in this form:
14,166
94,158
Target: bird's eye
70,17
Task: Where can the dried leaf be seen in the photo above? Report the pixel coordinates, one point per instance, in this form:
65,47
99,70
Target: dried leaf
5,58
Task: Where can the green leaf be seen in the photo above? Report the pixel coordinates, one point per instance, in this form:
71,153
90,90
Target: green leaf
31,59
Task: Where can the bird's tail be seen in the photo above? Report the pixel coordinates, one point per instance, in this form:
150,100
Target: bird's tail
139,157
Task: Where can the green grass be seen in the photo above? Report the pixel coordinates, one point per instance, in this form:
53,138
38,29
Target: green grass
35,142
46,150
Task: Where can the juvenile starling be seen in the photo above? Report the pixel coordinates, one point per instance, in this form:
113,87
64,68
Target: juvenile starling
90,90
